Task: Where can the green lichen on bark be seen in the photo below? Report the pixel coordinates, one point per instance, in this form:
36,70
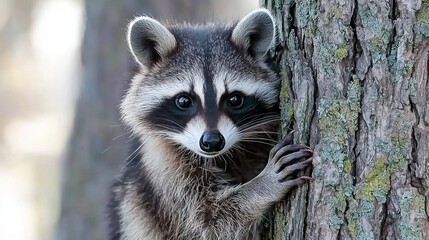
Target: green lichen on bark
375,20
356,211
420,202
407,69
334,10
422,14
376,183
339,118
338,204
347,166
395,149
352,216
338,121
341,53
306,11
292,53
398,152
413,89
409,226
286,104
325,55
421,26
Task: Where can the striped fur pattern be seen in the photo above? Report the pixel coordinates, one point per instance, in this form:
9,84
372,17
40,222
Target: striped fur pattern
205,109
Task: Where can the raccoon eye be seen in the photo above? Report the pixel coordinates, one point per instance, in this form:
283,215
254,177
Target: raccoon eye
236,100
183,102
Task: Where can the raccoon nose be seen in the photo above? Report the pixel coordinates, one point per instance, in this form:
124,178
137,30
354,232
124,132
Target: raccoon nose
212,141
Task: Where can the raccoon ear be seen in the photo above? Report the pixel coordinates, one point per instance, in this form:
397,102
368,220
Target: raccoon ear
255,33
149,41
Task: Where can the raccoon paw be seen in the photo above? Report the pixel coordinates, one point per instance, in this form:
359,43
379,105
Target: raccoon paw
287,160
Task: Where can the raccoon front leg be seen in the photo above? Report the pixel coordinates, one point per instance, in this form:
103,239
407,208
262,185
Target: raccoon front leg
240,208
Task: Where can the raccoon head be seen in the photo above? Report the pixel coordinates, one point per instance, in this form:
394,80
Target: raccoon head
202,88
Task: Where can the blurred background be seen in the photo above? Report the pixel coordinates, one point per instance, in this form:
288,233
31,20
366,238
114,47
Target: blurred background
64,66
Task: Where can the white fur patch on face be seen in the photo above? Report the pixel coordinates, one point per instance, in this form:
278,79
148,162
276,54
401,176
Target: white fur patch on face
219,84
166,90
265,91
142,98
190,137
229,131
154,94
198,82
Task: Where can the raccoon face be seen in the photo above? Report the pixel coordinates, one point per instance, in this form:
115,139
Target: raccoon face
202,88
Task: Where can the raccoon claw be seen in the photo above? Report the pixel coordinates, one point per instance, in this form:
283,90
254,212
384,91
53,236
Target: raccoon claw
308,178
291,171
287,140
287,160
297,182
292,153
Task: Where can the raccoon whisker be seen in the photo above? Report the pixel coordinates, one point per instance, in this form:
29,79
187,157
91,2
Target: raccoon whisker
256,116
269,122
207,164
230,153
250,116
262,134
168,128
115,138
239,148
170,121
254,141
260,121
263,126
222,158
159,133
266,134
261,139
257,131
135,153
107,149
260,131
183,151
230,156
256,136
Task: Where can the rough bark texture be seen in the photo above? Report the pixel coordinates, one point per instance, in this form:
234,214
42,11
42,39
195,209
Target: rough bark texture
356,89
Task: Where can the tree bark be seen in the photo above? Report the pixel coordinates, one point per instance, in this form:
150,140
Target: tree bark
355,87
98,143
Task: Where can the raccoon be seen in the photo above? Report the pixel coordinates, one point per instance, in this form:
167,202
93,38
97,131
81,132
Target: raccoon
205,107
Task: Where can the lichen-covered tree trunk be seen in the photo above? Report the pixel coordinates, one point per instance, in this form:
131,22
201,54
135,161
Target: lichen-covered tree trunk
355,87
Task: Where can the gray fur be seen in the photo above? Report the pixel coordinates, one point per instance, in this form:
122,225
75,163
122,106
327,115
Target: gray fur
171,190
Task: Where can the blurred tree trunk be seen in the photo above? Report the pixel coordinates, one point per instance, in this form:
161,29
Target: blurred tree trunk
356,88
99,144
